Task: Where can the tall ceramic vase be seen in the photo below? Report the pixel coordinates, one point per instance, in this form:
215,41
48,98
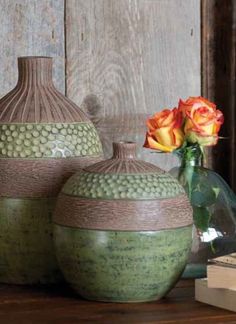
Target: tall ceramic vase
44,138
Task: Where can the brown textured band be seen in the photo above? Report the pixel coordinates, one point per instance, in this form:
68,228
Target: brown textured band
117,166
125,215
30,178
124,161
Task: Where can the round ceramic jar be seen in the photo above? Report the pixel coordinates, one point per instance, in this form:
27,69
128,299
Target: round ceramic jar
44,139
123,229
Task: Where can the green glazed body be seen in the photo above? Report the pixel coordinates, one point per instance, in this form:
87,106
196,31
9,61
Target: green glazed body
26,247
122,266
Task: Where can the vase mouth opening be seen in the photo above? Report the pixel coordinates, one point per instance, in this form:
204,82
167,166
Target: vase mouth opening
34,57
125,142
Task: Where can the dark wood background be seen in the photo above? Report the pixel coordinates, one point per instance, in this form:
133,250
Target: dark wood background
218,78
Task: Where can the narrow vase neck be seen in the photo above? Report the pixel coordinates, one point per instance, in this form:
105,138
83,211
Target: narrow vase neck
35,71
192,162
124,150
191,157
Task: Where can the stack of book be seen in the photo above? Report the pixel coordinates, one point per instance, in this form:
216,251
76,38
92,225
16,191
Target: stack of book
219,288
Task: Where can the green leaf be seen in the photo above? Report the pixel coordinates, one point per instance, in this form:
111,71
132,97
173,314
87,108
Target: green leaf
216,191
198,199
204,195
201,217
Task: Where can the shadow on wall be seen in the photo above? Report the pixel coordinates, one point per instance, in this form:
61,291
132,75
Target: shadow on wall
131,127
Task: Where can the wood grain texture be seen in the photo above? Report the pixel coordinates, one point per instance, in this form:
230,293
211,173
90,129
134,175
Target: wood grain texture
218,78
121,215
127,59
30,27
59,305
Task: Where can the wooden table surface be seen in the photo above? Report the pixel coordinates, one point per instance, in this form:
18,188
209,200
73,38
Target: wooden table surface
59,305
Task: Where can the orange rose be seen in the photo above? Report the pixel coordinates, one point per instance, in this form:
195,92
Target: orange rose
202,120
193,103
164,131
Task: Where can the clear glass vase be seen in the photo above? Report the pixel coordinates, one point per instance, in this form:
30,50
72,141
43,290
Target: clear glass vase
214,210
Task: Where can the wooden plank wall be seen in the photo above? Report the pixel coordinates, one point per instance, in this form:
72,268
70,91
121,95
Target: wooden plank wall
124,60
127,59
30,27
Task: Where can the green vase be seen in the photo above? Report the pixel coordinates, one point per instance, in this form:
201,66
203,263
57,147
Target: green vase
122,229
44,139
214,211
